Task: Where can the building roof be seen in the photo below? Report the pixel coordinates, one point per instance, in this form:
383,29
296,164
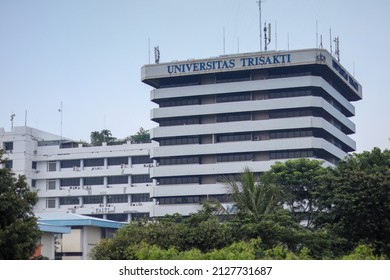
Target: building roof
70,219
45,227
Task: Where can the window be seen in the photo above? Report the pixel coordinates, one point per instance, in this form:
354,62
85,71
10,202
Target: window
34,165
51,203
234,137
290,133
179,121
68,182
119,198
112,180
51,166
9,164
181,199
93,199
93,162
186,140
70,200
234,97
141,197
143,178
93,181
179,160
237,117
291,154
117,217
51,184
179,180
290,113
118,161
70,163
179,102
8,146
235,157
141,160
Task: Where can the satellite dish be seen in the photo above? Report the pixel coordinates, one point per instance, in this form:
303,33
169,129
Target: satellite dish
157,54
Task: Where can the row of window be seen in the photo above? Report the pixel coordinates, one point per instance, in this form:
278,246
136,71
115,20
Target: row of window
179,160
245,96
179,121
187,140
111,180
291,133
100,162
193,199
99,199
179,180
233,137
179,102
235,157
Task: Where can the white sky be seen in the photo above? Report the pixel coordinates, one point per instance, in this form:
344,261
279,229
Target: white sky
88,55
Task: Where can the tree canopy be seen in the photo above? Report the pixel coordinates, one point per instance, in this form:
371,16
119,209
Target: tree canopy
359,195
299,209
19,233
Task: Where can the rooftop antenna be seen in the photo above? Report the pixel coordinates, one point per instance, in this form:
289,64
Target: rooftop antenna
321,46
224,40
267,40
261,41
60,110
276,38
337,48
316,33
12,120
149,49
157,54
238,45
330,40
288,41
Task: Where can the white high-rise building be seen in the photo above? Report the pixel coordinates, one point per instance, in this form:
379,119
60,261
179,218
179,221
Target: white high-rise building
216,116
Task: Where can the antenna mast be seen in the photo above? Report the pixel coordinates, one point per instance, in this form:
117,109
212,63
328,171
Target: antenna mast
261,41
60,110
267,41
12,120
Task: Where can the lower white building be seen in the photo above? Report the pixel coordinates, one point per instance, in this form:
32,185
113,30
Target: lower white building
109,181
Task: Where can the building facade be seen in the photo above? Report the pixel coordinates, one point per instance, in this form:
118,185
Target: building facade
108,181
216,116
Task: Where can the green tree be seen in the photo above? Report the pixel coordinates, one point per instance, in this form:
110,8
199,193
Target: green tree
97,138
252,197
142,136
359,200
202,231
19,232
300,180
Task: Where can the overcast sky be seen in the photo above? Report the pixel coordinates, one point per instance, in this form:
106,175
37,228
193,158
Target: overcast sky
88,55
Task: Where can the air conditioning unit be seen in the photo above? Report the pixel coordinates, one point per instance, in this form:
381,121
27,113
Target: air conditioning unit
75,168
101,205
133,204
256,138
110,205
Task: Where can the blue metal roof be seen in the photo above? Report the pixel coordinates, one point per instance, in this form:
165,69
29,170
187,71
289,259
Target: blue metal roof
70,219
44,227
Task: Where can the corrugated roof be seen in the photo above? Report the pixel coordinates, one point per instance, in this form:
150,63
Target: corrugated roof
70,219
